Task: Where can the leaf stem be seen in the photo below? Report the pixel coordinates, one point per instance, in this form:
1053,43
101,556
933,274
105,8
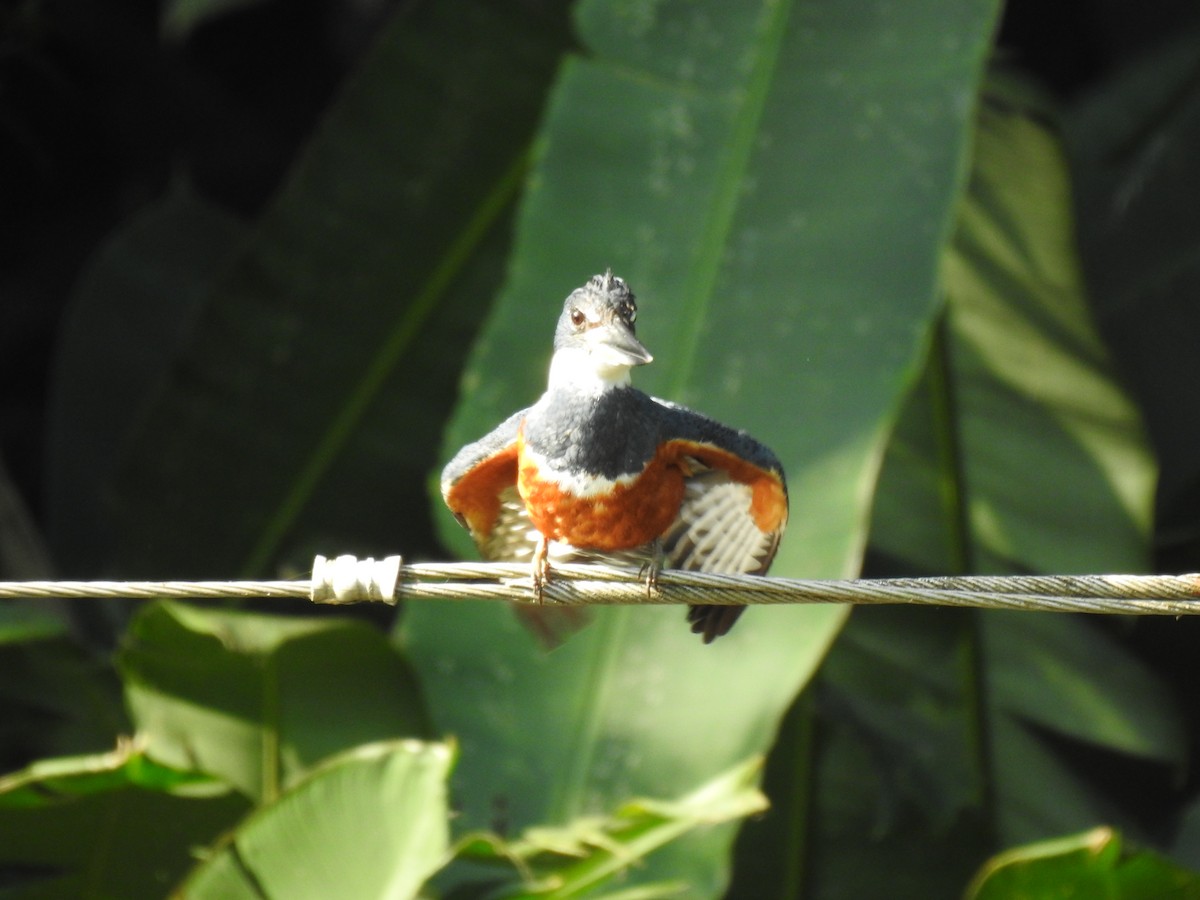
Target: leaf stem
952,483
271,779
955,499
802,725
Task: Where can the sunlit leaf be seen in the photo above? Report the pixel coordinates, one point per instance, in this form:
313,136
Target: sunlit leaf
1093,864
48,782
572,859
369,823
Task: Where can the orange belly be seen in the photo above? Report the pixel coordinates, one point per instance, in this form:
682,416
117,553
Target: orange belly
629,516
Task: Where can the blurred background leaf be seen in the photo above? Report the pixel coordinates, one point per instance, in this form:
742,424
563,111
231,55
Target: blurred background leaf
181,17
1132,140
151,278
56,698
24,557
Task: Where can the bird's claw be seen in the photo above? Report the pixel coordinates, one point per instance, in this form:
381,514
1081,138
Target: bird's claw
651,569
541,570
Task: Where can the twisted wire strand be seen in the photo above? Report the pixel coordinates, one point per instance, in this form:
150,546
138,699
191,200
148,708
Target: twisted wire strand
153,590
349,580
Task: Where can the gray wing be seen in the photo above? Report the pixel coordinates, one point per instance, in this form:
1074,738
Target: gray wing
734,508
480,486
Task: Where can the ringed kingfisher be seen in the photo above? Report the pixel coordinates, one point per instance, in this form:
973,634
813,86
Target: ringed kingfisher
597,468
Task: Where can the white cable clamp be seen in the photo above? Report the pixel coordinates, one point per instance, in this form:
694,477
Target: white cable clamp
348,579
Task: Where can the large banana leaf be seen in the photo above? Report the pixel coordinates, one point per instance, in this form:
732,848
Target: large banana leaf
776,182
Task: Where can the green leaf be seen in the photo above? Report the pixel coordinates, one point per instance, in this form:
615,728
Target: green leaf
762,176
304,415
1185,845
885,660
643,826
1091,864
369,823
48,782
20,622
258,700
574,858
181,17
1067,676
23,554
933,730
24,557
87,826
1038,790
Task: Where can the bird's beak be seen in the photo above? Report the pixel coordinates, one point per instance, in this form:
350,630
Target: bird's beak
616,344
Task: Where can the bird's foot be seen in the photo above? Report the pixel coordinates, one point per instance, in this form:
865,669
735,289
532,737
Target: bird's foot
652,567
541,569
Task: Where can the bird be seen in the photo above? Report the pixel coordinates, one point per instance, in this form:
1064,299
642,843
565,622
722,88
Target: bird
597,468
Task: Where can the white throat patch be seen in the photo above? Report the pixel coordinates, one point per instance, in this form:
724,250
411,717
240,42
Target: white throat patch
575,367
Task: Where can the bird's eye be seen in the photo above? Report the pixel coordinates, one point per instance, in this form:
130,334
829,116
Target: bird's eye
628,312
577,318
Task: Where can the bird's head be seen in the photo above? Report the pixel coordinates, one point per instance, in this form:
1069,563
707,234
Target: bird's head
594,343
